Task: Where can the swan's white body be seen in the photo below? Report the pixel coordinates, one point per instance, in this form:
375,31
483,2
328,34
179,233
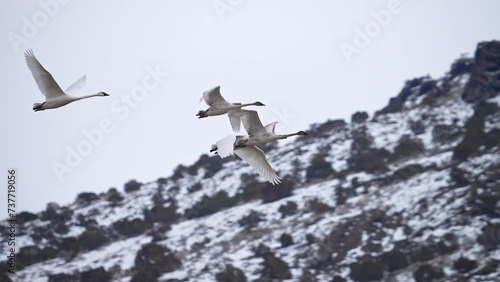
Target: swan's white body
254,156
259,134
55,97
246,146
219,106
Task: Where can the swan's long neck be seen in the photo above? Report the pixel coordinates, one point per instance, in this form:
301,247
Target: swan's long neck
243,105
285,136
85,96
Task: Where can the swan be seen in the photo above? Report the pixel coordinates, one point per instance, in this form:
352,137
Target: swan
55,97
219,106
252,155
246,148
259,134
256,158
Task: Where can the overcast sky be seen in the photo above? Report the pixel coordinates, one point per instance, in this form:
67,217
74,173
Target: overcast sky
308,61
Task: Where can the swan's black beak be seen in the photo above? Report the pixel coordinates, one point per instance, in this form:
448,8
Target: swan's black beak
105,94
214,149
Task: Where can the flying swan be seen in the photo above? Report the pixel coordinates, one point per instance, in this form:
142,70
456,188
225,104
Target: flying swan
246,148
54,96
253,155
259,134
219,106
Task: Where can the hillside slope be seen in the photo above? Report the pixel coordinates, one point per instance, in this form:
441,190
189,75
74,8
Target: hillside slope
411,194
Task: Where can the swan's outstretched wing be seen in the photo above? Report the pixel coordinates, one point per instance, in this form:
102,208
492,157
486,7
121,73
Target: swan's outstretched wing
79,84
213,96
257,159
252,124
46,83
225,146
270,128
235,119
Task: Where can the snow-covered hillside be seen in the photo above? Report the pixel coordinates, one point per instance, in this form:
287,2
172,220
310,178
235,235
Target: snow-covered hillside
410,194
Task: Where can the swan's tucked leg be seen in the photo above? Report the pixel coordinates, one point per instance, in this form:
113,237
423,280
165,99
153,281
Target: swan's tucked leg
38,107
202,114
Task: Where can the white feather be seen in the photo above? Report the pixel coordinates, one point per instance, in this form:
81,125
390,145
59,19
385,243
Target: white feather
225,146
256,158
79,84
